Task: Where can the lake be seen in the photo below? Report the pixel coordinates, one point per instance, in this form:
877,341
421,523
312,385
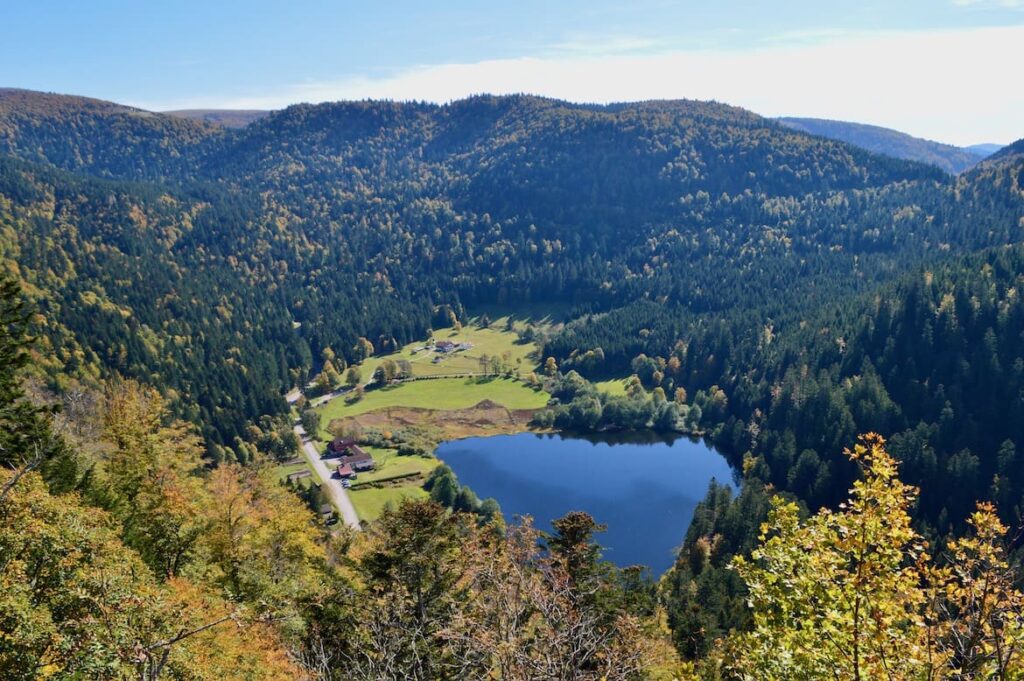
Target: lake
644,489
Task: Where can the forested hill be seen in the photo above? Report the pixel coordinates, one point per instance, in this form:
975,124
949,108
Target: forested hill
890,142
1008,153
100,138
745,351
191,290
77,133
218,263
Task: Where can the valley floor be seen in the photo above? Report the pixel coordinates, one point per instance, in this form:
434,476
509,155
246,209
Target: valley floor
450,395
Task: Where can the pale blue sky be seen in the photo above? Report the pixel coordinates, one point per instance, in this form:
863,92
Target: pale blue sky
268,53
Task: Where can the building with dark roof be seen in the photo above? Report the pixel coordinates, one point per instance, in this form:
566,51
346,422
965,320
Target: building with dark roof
358,459
340,445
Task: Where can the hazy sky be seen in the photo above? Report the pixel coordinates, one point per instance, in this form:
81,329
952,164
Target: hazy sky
942,69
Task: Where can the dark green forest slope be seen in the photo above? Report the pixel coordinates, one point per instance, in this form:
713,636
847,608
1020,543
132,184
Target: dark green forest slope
318,225
218,263
935,361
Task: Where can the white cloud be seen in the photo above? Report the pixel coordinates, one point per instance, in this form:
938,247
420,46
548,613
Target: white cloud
955,86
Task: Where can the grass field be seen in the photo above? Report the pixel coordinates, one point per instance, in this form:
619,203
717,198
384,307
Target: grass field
493,341
284,470
464,391
615,386
441,393
370,502
390,465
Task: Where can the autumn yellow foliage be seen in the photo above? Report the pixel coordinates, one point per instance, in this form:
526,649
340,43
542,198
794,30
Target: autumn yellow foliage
854,594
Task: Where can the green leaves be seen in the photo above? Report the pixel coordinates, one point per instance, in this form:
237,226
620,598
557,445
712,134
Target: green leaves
25,439
72,597
853,594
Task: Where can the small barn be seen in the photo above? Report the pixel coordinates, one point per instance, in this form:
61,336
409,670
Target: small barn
358,459
340,445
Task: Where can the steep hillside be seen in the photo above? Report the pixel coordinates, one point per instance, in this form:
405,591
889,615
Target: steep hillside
1008,153
890,142
99,138
195,290
125,283
252,250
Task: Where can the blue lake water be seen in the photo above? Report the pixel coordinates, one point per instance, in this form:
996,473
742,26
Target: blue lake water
644,491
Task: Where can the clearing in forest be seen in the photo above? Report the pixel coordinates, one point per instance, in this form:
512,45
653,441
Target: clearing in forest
436,394
474,346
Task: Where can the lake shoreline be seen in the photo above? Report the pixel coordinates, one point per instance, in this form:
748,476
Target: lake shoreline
645,490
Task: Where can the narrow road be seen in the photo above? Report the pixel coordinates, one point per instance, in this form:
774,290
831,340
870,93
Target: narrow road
324,399
332,485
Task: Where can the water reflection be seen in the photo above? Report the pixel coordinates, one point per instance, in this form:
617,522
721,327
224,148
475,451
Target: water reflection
643,486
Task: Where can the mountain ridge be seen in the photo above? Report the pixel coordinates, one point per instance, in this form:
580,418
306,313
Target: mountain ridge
229,118
887,141
557,198
983,150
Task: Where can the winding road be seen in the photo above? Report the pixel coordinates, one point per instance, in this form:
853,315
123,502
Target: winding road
332,485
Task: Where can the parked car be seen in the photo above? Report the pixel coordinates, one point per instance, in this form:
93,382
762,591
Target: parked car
346,484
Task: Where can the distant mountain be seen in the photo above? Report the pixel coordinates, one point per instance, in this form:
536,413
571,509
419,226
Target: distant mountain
891,142
229,118
984,150
1009,153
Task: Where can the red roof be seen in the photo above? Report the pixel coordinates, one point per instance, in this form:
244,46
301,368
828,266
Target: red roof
344,470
